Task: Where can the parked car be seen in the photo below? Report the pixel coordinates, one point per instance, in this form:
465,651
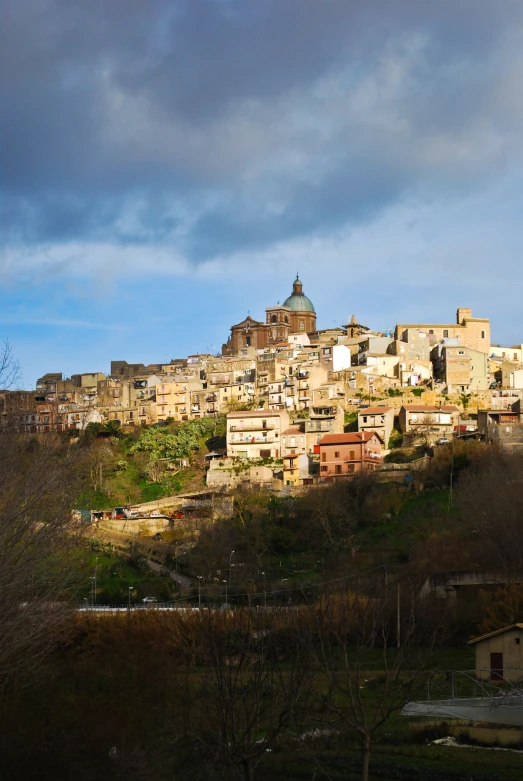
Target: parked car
443,441
148,600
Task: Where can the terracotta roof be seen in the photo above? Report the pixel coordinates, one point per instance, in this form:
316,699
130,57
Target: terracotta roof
355,438
292,431
374,410
430,408
497,632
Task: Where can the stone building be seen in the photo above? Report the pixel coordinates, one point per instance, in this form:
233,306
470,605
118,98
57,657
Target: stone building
378,419
462,369
295,315
473,332
427,423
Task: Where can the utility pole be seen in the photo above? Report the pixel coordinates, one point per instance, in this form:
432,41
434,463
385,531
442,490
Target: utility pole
95,572
398,617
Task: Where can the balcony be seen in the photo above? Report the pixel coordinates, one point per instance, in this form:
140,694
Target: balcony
323,412
253,426
248,440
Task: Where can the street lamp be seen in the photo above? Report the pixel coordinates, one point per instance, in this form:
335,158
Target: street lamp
264,590
230,565
225,591
199,591
85,603
92,590
131,588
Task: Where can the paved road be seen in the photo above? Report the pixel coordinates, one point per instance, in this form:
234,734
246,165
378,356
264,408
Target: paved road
182,580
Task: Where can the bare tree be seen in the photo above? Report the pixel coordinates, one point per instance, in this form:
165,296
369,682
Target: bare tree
373,652
251,686
40,476
489,503
9,367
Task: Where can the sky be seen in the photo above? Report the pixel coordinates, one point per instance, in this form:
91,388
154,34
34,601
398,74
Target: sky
167,167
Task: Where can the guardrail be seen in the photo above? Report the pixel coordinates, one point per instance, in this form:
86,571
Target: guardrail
149,606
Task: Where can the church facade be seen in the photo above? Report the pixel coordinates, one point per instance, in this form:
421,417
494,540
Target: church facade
295,315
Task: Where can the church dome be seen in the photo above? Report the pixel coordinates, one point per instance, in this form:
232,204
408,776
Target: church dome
297,302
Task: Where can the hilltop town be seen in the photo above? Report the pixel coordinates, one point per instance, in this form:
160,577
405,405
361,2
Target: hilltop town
305,404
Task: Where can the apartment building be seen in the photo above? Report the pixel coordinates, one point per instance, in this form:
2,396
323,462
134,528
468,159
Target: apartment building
378,419
428,423
325,417
256,434
342,455
462,369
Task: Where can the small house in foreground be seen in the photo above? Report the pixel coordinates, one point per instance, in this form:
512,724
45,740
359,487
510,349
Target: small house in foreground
499,654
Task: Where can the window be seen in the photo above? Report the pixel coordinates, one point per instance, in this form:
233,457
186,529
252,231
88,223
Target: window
247,341
365,419
461,352
337,454
324,469
350,469
445,333
431,331
273,319
351,455
338,469
324,456
286,319
302,325
483,334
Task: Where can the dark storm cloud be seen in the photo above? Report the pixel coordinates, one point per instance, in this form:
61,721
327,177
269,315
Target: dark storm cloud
228,124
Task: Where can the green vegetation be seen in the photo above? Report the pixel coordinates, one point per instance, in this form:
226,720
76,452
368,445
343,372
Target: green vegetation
180,442
149,463
396,439
394,392
116,573
351,422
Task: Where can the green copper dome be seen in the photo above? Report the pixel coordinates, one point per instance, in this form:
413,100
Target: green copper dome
297,301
